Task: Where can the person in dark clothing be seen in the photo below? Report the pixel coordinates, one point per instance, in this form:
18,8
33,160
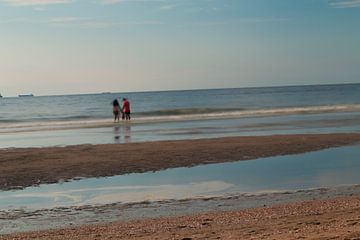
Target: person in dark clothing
116,110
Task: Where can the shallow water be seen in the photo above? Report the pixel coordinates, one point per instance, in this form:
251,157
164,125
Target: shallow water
326,168
124,133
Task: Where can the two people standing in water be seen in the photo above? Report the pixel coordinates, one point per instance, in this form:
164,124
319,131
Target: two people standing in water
124,110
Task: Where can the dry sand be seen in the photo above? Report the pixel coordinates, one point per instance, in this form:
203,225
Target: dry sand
32,166
325,219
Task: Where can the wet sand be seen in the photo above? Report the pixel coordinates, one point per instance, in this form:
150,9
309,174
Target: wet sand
319,219
32,166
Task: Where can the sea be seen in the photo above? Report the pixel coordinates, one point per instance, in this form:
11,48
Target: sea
172,115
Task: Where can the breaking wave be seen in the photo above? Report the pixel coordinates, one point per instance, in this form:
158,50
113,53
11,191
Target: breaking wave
169,115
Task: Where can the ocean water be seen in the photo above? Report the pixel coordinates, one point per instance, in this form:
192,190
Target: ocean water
78,119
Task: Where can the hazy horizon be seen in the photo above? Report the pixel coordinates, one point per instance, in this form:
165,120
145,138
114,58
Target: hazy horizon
57,47
180,90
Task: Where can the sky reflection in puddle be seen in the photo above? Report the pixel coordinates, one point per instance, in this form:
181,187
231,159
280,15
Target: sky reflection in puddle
326,168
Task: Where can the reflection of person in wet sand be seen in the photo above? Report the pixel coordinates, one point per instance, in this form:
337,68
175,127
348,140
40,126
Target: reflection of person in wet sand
116,133
127,133
126,109
116,110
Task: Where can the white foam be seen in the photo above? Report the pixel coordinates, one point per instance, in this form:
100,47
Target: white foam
76,124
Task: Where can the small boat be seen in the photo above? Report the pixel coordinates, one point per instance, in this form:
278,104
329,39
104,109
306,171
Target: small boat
26,95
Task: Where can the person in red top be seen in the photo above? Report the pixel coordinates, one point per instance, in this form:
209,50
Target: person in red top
126,109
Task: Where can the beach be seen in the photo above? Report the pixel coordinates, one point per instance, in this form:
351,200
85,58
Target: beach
283,215
319,219
270,165
33,166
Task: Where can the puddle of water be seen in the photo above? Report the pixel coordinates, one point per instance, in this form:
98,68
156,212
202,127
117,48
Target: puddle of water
326,168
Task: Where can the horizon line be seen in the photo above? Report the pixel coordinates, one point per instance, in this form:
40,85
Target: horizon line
182,90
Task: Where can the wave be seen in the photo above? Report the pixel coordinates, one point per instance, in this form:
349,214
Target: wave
188,111
227,113
49,119
172,115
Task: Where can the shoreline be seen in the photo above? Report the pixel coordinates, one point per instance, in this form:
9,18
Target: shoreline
25,220
336,218
26,167
10,127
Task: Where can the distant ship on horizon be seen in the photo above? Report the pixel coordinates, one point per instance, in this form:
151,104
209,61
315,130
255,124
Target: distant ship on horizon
1,95
26,95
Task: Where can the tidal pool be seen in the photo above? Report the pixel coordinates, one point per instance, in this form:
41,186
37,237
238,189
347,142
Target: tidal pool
325,168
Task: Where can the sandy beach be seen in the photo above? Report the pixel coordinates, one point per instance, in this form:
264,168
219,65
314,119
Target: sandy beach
319,219
319,214
32,166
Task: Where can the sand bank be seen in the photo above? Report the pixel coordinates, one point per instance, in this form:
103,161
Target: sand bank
319,219
32,166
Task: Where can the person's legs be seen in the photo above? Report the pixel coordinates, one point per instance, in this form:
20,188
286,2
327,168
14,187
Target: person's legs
116,116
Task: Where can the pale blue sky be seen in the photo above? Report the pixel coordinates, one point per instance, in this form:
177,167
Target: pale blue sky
82,46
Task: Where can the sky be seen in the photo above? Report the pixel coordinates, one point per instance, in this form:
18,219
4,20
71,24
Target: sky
89,46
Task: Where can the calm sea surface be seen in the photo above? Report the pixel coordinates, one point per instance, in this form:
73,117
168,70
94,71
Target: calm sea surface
27,121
